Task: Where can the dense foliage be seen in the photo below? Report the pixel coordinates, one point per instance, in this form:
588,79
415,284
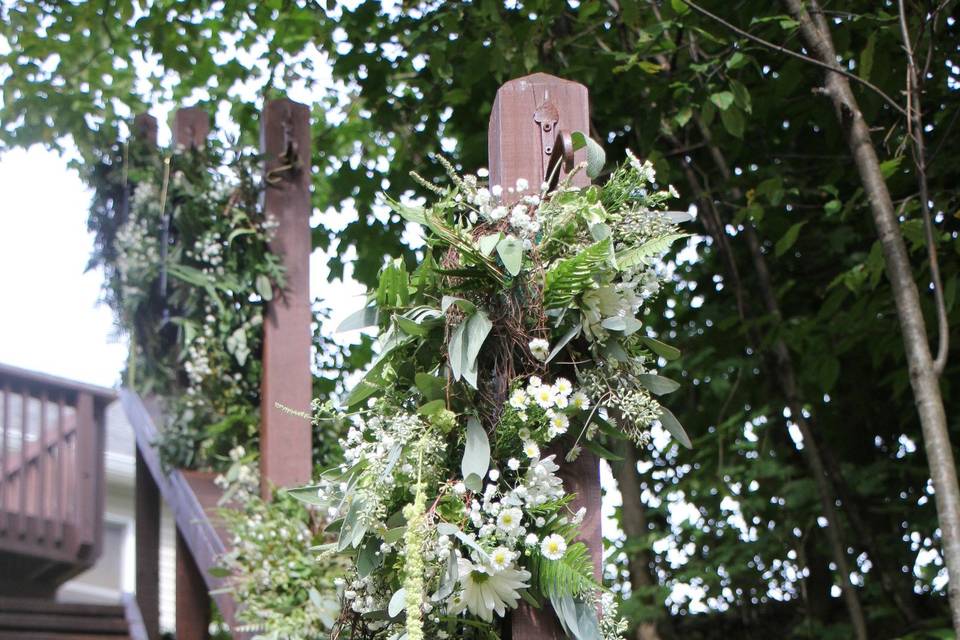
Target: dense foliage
185,252
286,592
786,303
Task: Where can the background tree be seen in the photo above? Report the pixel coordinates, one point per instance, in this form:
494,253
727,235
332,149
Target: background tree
806,503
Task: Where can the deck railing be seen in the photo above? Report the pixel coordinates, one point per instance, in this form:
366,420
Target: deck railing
51,478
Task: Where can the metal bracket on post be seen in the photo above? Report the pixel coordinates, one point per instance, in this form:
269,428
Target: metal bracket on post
538,147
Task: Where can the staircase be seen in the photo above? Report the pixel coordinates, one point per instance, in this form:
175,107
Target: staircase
36,619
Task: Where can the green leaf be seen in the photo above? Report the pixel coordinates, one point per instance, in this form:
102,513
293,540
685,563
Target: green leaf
658,385
432,387
680,7
510,250
662,349
596,156
464,305
488,243
651,248
366,317
736,60
570,277
264,287
683,116
572,333
733,121
741,95
788,239
671,424
889,167
723,100
448,581
476,455
432,407
571,575
602,451
866,57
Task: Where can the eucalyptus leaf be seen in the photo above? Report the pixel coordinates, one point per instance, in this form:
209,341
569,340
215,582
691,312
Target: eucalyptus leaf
476,453
572,333
596,156
658,385
671,424
662,349
360,319
488,243
398,602
510,250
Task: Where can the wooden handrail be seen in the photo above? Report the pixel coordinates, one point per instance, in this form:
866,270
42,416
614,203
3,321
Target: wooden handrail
192,497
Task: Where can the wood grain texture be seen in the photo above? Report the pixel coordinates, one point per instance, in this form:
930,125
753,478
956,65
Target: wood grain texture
148,548
527,115
285,441
193,603
191,126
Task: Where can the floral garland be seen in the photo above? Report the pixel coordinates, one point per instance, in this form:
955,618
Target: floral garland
188,267
514,344
284,591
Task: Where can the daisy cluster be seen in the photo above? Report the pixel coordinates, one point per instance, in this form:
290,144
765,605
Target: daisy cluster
472,549
541,411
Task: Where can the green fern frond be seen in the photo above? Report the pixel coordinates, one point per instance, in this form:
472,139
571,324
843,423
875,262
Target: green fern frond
568,278
642,253
570,575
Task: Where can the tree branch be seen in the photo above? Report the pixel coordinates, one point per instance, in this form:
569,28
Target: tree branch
915,131
831,67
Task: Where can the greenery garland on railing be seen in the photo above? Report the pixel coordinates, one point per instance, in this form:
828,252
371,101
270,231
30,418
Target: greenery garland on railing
515,343
184,248
284,591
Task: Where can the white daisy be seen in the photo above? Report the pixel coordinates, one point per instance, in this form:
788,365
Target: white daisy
553,547
485,592
518,399
513,464
531,450
559,423
540,348
509,520
500,559
562,386
561,402
544,396
580,401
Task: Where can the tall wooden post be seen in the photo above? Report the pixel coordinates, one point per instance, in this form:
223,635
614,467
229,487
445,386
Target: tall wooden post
285,440
530,115
191,126
147,494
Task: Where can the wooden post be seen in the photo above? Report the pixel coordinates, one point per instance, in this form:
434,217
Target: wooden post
191,126
528,115
90,480
145,128
147,494
193,602
285,440
148,548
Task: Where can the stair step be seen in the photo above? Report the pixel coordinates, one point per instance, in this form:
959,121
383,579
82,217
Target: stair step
36,605
36,619
57,635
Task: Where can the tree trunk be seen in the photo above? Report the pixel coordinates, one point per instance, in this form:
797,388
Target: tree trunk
923,377
634,523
